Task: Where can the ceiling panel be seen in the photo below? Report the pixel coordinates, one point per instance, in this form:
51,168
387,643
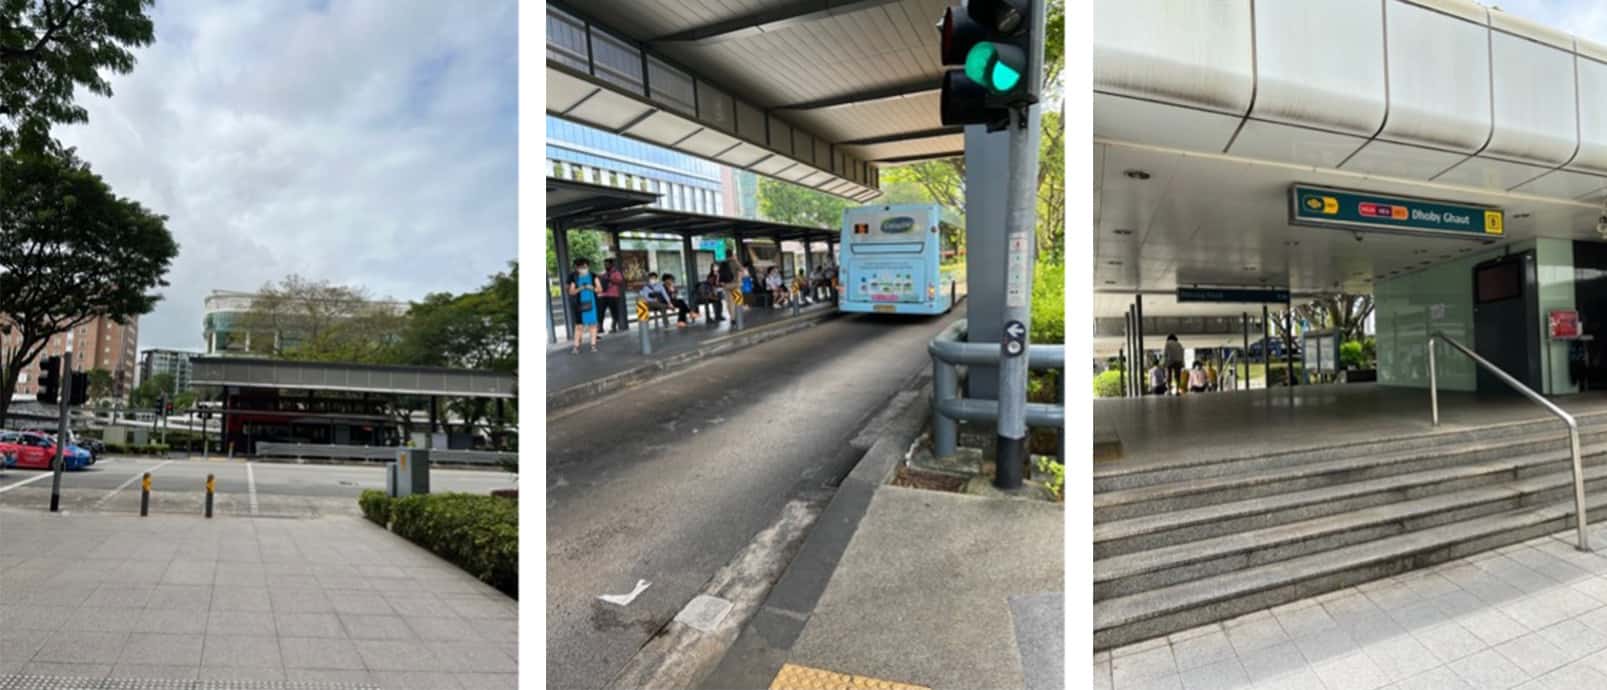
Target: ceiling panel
1490,174
1299,145
1380,157
1129,119
608,110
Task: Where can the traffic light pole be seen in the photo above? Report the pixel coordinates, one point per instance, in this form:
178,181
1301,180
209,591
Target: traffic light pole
56,465
1019,233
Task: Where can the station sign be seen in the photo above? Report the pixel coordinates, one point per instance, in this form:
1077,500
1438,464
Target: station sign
1564,324
1356,210
1251,295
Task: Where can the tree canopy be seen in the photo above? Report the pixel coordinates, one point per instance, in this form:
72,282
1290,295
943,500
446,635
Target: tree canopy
70,250
48,48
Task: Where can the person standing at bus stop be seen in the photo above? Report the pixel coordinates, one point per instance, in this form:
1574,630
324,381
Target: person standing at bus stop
612,301
1174,363
583,290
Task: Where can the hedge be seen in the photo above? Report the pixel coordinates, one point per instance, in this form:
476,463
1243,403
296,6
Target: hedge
479,534
127,449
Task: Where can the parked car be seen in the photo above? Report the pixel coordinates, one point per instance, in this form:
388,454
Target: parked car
36,450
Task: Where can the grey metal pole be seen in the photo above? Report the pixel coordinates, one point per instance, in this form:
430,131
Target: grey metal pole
642,324
1020,234
1134,361
1433,385
690,280
1266,348
1246,323
1138,327
1289,343
945,386
63,392
560,240
736,307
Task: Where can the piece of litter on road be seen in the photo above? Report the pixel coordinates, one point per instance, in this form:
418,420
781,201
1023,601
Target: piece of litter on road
704,612
625,599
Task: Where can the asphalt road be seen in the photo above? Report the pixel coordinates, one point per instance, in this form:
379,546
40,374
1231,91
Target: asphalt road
113,485
667,483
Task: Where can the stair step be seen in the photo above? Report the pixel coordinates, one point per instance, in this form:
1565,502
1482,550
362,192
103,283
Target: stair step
1115,476
1172,496
1127,619
1132,573
1117,537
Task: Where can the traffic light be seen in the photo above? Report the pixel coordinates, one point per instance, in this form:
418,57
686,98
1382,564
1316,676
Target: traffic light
80,389
49,379
161,404
167,408
993,41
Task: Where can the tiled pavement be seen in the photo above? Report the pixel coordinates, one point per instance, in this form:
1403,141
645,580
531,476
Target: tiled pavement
1530,616
330,600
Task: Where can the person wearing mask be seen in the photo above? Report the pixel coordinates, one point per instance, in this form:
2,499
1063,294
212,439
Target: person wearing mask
1158,378
714,295
612,282
682,309
583,293
1197,380
653,294
1174,362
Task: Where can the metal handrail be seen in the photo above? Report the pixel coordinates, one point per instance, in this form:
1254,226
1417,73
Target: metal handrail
1573,424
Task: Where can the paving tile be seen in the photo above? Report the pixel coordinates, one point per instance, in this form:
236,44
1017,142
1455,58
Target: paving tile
241,674
425,604
299,601
1575,676
177,597
1492,626
472,657
1222,675
416,680
1204,650
1402,657
240,623
1488,669
1327,645
403,655
153,672
1303,621
99,619
231,651
80,647
120,596
495,681
360,627
359,601
238,598
325,625
1303,679
52,668
329,677
171,621
1354,672
319,653
166,650
1127,669
1258,633
454,629
1575,639
1534,654
1450,641
1441,678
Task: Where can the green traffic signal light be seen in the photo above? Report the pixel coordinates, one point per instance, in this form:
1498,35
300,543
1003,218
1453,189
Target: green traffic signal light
995,66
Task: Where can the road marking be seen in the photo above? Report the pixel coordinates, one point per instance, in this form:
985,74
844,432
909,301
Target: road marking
24,482
251,487
625,599
128,481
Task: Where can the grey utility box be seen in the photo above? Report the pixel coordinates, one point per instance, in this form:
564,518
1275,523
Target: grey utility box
409,474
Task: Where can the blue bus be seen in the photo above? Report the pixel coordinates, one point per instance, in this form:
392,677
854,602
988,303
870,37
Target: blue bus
890,261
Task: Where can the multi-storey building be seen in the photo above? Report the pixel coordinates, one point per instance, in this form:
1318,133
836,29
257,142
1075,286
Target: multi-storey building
99,343
175,363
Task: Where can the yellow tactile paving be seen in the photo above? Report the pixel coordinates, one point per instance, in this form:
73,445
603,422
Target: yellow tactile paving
794,677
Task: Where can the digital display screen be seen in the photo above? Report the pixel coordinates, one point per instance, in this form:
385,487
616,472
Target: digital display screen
1500,282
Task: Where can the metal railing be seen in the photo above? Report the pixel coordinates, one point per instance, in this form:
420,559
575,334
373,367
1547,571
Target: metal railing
379,453
1573,424
949,351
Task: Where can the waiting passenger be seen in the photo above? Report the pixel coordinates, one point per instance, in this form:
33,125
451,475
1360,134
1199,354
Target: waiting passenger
1174,362
1158,379
777,289
712,294
682,309
653,294
1197,380
801,286
583,293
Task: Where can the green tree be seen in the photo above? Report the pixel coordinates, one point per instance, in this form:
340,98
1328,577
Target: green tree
475,330
321,321
148,391
785,202
48,48
592,245
100,384
70,251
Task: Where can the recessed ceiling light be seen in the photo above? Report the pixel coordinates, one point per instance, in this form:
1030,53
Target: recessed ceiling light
1113,263
1136,174
1419,251
1249,269
1122,231
1520,216
1423,263
1291,243
1110,282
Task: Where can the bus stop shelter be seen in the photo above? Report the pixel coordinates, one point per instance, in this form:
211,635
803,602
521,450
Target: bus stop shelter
580,206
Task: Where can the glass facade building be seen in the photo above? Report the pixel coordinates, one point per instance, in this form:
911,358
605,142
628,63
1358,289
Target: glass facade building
587,154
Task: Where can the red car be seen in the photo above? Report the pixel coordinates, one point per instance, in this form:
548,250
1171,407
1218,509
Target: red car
35,450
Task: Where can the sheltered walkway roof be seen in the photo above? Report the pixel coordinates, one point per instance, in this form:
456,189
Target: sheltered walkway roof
815,92
568,199
357,378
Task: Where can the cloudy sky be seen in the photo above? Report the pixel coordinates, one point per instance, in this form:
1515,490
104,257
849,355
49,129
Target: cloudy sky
365,142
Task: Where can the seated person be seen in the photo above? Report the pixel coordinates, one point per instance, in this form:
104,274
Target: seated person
801,286
682,309
653,294
773,284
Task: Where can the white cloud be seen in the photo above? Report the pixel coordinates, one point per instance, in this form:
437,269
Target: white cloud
361,143
1583,18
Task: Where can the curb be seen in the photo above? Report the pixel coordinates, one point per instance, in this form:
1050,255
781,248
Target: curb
767,639
630,378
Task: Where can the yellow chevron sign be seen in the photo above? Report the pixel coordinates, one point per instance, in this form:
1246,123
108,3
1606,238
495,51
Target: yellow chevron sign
736,297
641,310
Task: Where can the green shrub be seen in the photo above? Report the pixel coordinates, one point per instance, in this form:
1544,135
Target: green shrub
479,534
1350,355
1108,384
376,506
1048,303
1055,476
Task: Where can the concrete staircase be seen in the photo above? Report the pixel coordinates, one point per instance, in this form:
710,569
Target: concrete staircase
1191,543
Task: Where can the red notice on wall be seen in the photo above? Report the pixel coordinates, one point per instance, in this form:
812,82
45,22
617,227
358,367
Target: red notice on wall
1564,324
